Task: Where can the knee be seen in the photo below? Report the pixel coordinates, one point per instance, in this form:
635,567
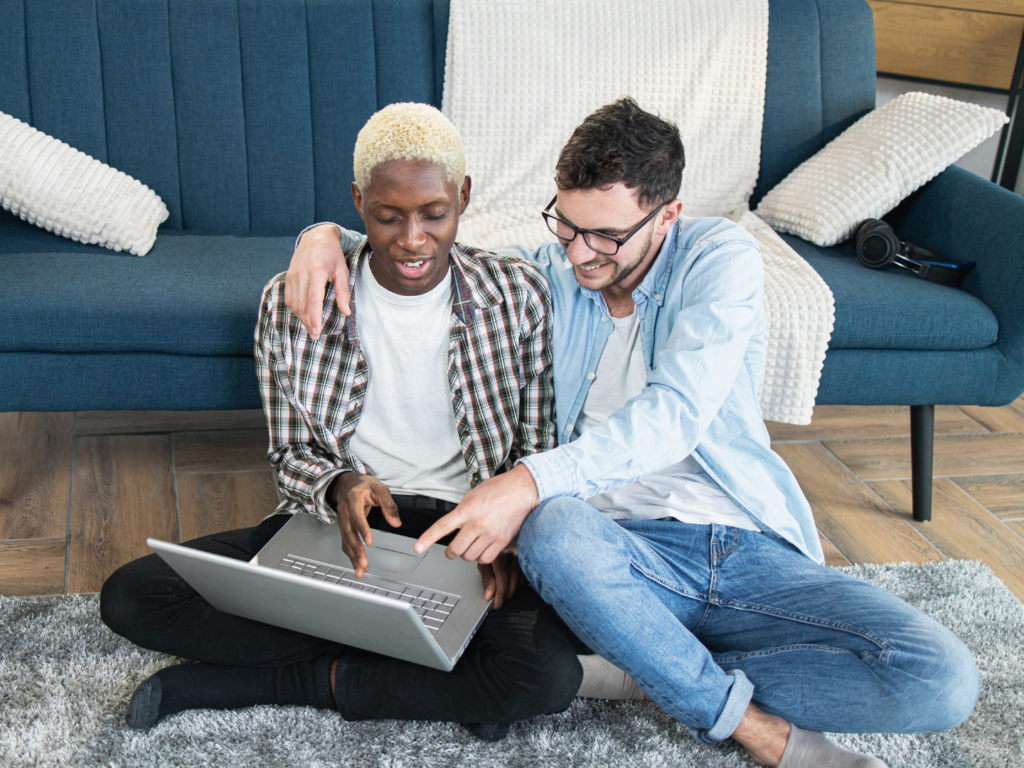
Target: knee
545,527
941,680
552,534
118,599
955,682
544,683
562,675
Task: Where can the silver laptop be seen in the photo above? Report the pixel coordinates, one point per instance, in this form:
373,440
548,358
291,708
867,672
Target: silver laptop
420,608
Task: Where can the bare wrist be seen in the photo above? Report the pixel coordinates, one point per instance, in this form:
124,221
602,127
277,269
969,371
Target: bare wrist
527,482
337,488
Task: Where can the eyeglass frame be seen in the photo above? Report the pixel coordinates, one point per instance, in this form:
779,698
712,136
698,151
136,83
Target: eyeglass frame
619,242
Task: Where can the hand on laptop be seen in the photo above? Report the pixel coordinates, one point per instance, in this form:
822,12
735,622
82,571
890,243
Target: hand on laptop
502,578
318,260
354,496
488,516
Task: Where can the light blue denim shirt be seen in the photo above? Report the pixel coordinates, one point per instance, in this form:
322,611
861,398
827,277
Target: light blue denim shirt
702,323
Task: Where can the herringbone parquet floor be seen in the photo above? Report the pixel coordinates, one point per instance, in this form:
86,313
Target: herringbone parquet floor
80,492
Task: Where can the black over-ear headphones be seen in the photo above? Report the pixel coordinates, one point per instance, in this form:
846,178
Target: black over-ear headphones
878,247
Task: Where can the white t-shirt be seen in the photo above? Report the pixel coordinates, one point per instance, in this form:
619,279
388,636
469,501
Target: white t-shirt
684,490
406,434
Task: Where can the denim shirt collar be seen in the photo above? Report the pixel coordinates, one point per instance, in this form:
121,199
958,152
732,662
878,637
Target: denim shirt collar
653,286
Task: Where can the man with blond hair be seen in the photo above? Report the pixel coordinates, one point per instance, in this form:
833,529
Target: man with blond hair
439,377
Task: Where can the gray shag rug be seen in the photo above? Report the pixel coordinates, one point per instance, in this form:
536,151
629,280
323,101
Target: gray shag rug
65,682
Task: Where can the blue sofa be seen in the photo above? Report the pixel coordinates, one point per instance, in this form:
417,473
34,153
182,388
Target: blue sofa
242,115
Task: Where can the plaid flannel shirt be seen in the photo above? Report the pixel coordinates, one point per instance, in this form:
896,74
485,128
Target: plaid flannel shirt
499,373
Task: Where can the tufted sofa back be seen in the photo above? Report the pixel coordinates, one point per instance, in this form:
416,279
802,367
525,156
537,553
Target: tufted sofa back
242,114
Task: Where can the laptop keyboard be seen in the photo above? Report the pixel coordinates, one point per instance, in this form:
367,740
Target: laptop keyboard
431,606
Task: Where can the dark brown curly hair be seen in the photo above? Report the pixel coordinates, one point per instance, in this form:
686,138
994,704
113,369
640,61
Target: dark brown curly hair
622,142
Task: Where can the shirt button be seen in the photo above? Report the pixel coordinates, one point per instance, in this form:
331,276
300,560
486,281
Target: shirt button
604,319
657,297
591,376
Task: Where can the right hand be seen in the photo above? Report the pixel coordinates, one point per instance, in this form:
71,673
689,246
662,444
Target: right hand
354,496
317,261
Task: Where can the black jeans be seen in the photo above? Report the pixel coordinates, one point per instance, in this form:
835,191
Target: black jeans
520,664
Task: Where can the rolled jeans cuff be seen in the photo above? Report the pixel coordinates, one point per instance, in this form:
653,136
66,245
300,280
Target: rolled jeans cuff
740,693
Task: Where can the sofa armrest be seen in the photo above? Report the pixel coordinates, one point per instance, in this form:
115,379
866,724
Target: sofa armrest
967,218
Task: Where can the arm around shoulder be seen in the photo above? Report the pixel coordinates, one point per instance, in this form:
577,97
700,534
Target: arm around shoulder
319,259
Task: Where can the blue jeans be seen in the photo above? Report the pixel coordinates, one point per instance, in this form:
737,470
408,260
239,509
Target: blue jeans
708,618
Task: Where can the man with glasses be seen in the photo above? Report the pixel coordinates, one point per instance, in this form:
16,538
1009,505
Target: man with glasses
663,529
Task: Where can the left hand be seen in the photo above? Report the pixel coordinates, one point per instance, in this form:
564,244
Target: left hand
502,578
489,516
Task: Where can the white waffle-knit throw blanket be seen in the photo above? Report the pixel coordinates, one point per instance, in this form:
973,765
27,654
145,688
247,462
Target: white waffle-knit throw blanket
522,74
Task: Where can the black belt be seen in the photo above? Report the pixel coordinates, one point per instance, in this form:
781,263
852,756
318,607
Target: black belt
423,502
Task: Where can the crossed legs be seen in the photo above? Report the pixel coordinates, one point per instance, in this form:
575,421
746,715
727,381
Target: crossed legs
709,619
520,664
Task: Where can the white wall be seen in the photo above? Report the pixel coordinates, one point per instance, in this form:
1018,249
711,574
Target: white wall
980,159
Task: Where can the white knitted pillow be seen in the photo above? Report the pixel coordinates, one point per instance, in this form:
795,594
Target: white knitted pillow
866,171
64,191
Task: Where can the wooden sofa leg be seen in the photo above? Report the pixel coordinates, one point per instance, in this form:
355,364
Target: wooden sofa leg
922,442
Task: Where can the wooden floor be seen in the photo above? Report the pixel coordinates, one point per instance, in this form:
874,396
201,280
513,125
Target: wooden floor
80,492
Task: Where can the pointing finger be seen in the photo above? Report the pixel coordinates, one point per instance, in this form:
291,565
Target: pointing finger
441,528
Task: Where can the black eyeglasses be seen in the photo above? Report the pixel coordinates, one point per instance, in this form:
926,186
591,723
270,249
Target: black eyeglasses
603,244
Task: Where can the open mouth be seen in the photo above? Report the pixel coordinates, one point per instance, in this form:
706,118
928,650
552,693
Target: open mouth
413,269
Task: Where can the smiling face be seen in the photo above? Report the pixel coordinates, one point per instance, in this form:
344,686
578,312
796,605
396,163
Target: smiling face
411,212
613,211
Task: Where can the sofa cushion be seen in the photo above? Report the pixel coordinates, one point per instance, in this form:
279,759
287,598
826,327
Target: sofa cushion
876,163
54,186
892,309
192,294
130,381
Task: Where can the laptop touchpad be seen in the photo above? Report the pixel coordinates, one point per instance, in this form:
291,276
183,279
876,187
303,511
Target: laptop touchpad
388,560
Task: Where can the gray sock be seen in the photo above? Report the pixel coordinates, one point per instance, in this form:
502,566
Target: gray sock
603,680
810,749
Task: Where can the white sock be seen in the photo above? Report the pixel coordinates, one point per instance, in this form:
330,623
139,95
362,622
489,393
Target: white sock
603,680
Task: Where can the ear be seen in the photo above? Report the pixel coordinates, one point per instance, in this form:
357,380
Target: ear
467,185
357,198
669,215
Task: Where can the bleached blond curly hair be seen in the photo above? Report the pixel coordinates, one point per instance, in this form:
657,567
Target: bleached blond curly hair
409,131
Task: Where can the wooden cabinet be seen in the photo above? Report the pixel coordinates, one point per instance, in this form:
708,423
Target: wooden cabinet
969,42
976,44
